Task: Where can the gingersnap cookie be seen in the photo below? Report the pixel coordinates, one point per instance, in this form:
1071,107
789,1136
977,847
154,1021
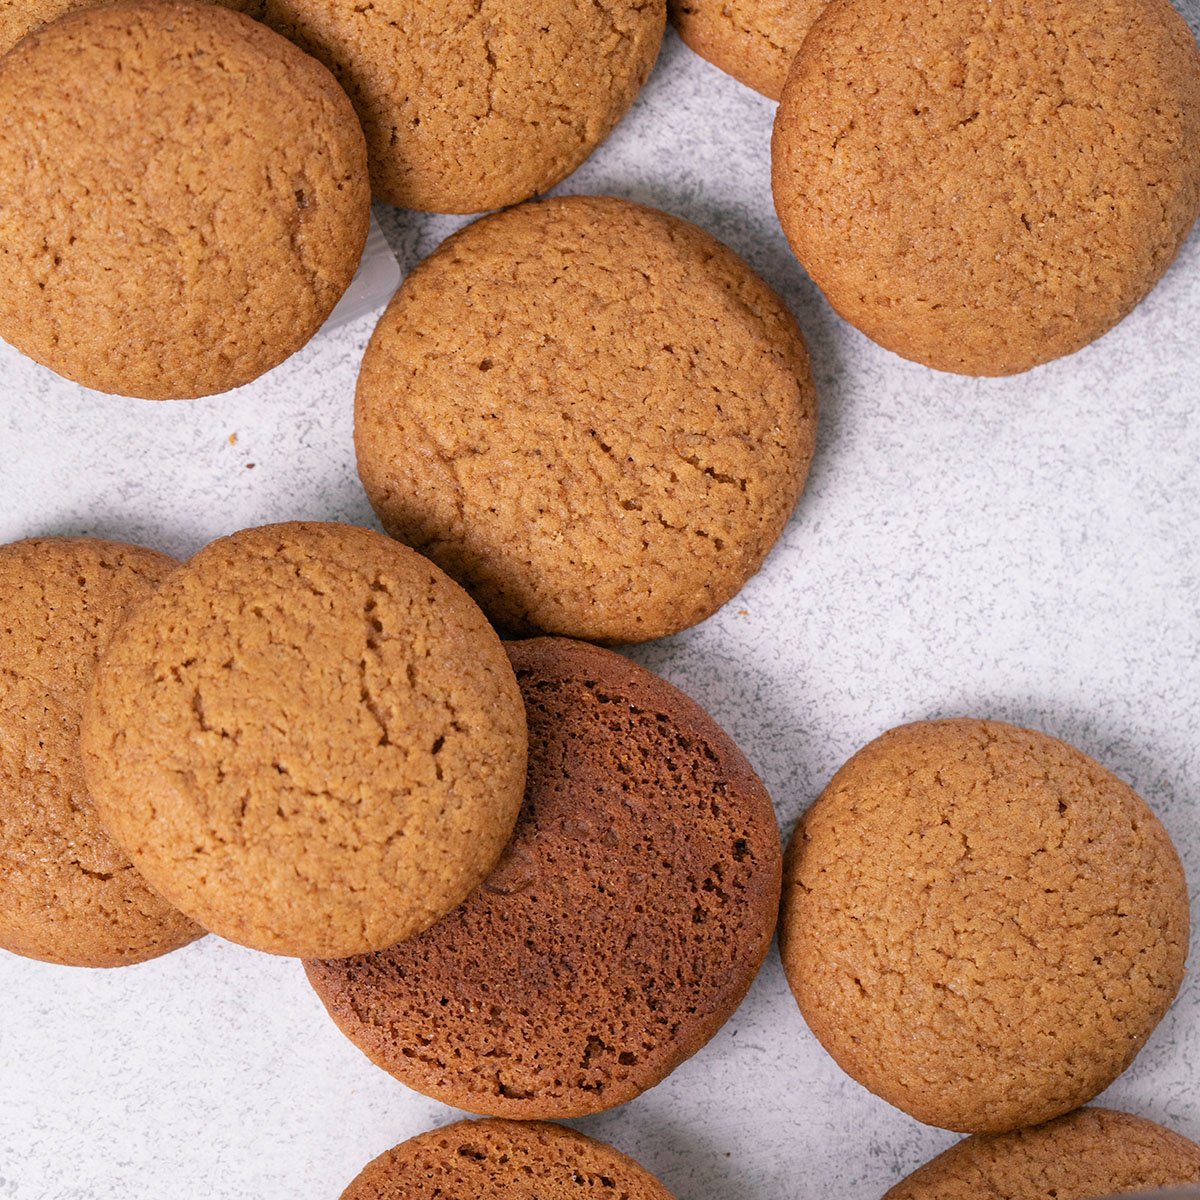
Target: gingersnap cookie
503,1160
308,739
183,198
620,930
19,17
1090,1153
591,414
981,924
755,41
67,894
988,185
469,105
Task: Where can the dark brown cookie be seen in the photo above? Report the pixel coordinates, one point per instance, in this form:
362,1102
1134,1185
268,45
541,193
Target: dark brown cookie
1090,1153
504,1160
68,894
183,197
622,927
981,924
309,739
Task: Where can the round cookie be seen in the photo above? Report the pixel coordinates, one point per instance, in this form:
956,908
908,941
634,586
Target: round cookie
981,924
622,927
469,106
591,414
755,41
503,1160
988,185
309,739
67,893
19,17
1090,1153
183,198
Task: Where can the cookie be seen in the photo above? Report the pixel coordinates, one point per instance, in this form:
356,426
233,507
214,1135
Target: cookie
591,414
981,924
620,930
1090,1153
988,185
755,41
19,17
503,1160
309,740
67,894
469,106
183,198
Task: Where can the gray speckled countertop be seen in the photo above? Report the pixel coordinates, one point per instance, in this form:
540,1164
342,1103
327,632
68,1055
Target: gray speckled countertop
1027,549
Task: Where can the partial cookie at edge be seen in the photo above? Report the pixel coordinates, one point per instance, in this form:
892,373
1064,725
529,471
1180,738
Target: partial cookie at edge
68,894
1090,1153
503,1160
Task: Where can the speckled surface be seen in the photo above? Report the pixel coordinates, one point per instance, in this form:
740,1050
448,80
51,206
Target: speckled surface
1027,549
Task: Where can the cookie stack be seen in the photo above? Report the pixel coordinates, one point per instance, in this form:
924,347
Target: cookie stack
530,878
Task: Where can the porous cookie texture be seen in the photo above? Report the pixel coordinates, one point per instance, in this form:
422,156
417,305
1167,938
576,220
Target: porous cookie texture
19,17
1090,1153
622,927
755,41
981,924
470,105
591,414
183,197
987,185
309,739
67,893
504,1160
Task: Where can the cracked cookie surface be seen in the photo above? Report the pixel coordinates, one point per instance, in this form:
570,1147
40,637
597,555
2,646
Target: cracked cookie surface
621,928
593,415
986,185
183,198
309,739
68,894
755,41
981,924
1090,1153
19,17
470,105
504,1160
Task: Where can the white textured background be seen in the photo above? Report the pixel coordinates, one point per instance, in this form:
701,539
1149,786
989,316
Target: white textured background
1025,549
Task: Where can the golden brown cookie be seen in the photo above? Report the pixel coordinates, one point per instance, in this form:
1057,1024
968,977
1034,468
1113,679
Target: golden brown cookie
309,739
981,924
1092,1153
504,1160
755,41
19,17
67,893
183,198
620,930
987,185
475,104
591,414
